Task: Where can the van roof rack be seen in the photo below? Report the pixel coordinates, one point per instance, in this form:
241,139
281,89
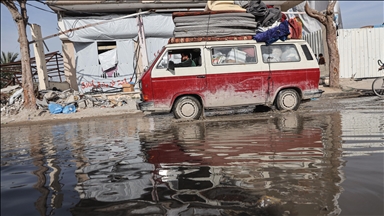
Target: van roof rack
208,38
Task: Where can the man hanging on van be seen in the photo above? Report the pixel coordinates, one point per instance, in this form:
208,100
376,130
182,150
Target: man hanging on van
185,61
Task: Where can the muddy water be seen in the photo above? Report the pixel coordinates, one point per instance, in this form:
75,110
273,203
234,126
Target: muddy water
325,159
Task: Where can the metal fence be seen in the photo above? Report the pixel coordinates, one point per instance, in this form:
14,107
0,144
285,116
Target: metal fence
359,50
315,40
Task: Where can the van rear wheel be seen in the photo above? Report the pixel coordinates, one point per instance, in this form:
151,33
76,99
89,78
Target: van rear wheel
187,107
288,99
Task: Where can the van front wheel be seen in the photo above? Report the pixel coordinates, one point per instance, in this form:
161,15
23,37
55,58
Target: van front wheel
187,107
288,99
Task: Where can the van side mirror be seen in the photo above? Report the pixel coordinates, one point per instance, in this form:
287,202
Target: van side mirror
171,67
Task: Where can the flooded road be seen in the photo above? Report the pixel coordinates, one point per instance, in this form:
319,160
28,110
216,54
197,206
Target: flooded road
325,159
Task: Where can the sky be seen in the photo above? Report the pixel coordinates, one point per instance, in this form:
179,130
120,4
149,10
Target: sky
355,14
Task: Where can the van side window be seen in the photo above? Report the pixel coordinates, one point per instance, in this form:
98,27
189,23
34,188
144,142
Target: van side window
185,57
306,52
233,55
280,53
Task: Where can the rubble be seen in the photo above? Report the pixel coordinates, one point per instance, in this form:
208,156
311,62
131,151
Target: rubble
12,100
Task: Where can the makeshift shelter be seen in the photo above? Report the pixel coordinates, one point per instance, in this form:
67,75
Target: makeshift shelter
84,50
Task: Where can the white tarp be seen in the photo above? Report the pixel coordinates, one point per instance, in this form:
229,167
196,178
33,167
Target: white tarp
90,71
155,25
154,46
108,59
90,66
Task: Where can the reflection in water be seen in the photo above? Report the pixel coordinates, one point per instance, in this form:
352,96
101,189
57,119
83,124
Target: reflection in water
264,165
268,164
50,157
38,160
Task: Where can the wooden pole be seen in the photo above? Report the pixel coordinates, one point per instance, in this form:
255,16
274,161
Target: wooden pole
142,43
41,65
89,25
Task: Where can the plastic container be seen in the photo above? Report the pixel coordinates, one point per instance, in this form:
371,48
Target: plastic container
69,109
55,108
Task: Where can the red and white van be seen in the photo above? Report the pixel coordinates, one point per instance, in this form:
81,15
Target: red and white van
230,73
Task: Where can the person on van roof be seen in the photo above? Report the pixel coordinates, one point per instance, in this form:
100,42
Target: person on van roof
186,61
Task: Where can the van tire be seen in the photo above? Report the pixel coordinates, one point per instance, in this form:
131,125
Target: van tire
187,108
288,99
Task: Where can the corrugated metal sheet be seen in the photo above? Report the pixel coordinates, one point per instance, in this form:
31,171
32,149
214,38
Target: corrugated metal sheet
359,51
314,40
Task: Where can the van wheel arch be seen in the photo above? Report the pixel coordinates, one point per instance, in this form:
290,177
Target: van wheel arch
288,99
193,101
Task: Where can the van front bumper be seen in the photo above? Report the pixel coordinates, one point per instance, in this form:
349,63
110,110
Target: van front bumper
312,94
145,106
150,107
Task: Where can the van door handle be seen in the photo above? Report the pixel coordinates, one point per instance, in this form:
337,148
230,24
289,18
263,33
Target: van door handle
200,76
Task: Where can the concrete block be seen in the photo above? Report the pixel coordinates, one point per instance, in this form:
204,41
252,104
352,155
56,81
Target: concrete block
81,104
70,99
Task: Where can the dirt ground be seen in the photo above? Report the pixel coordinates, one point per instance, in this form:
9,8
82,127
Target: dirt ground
38,116
349,88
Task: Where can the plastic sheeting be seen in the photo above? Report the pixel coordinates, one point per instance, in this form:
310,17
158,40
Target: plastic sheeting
90,71
155,25
154,46
108,59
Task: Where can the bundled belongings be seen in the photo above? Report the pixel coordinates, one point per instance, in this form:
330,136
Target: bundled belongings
225,20
272,35
264,15
218,24
222,5
295,28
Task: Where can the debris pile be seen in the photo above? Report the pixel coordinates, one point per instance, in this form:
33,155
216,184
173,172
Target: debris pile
12,100
56,101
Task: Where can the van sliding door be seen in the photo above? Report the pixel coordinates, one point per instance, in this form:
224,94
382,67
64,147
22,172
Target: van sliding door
233,76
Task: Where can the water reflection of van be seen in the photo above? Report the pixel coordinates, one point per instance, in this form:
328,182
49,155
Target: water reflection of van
229,73
233,163
261,146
